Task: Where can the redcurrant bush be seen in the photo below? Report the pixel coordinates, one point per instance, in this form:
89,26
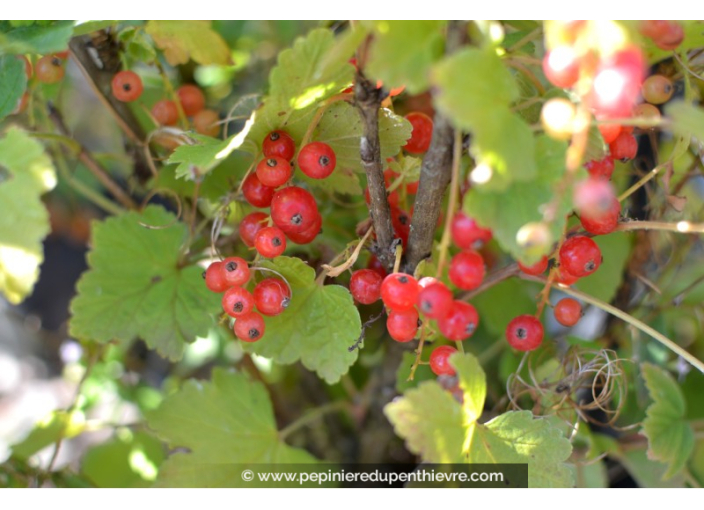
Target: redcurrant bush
399,291
250,225
236,271
294,209
435,300
272,296
580,256
279,144
49,69
257,193
165,112
568,311
237,301
249,327
460,322
127,86
440,360
467,270
270,242
317,160
215,278
365,286
402,325
422,133
191,98
274,171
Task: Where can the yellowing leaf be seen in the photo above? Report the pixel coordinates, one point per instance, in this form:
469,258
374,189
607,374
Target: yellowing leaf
184,40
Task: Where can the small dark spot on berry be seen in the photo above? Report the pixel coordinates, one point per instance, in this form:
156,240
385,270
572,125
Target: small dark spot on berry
56,61
271,162
471,327
285,302
231,266
276,241
590,266
253,333
403,279
324,161
419,323
274,136
426,306
238,307
522,333
157,278
126,87
403,219
296,219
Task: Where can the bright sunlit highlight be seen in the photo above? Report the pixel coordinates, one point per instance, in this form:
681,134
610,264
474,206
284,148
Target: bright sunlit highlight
481,174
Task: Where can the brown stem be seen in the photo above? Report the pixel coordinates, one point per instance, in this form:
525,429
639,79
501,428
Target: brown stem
93,166
435,174
99,73
368,100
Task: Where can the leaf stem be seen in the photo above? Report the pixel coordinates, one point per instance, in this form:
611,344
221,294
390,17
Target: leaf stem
642,181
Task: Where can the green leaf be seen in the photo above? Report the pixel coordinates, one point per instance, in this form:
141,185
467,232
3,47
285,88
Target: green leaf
687,120
423,373
441,430
318,326
37,38
403,52
199,159
184,40
89,26
603,284
670,437
498,305
58,425
25,174
12,85
130,460
474,92
303,74
227,424
135,287
507,211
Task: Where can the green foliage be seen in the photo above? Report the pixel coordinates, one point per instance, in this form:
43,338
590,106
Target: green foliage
318,326
227,424
670,437
128,460
403,52
194,161
13,84
603,284
505,212
25,174
136,286
56,426
687,120
441,430
184,40
35,38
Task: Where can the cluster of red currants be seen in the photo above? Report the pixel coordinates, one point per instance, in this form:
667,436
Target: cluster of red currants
127,86
294,211
270,297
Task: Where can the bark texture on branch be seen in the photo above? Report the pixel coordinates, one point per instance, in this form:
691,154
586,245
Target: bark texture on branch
368,101
435,174
98,61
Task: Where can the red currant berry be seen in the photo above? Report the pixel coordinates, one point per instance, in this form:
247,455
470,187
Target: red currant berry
206,122
375,265
602,169
270,242
460,322
605,223
273,172
525,333
293,209
401,222
425,281
237,301
568,311
422,133
317,160
250,327
565,278
467,270
617,82
580,256
365,286
279,144
657,89
561,66
165,112
236,271
308,235
49,69
399,291
272,296
250,225
648,114
191,98
63,55
625,147
609,132
215,278
593,197
435,300
667,35
537,268
440,360
256,193
412,187
466,234
402,325
127,86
